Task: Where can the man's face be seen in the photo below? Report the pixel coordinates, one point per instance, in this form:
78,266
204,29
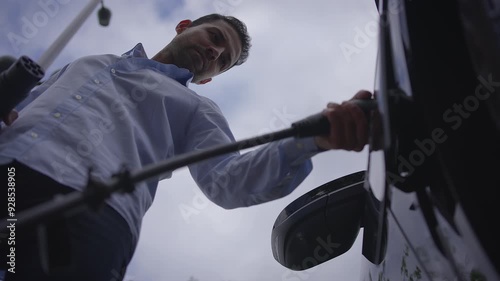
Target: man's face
206,50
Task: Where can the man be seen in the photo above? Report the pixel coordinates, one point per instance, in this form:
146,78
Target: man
103,111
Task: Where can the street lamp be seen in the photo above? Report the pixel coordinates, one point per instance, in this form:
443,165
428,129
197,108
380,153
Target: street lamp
104,15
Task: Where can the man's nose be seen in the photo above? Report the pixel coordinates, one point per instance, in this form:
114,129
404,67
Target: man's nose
213,52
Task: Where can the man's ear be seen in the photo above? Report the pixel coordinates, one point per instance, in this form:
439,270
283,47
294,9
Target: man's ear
204,81
181,26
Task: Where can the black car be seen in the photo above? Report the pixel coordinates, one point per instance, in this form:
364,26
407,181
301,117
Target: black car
428,201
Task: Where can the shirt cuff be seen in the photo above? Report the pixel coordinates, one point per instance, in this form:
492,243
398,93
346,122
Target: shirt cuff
297,150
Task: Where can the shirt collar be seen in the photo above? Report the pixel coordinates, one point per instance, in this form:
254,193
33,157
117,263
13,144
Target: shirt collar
181,75
136,52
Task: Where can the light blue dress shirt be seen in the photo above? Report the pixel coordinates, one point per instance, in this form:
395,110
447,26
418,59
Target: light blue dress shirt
104,111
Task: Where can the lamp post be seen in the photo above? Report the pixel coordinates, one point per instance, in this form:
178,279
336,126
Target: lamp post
51,53
104,15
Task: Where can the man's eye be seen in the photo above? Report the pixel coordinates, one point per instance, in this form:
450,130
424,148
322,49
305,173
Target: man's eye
215,37
223,62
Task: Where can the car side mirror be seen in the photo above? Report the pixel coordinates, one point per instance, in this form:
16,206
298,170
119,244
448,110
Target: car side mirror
321,224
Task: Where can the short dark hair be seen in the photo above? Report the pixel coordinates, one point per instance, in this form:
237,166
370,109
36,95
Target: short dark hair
235,23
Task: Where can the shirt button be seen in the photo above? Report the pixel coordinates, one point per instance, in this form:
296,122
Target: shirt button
34,135
78,97
113,70
97,81
57,115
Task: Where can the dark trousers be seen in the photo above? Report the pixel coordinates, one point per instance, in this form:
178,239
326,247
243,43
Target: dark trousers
85,246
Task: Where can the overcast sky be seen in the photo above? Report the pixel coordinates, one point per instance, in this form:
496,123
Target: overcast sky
304,54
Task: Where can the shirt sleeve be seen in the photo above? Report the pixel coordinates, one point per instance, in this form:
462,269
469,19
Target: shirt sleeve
234,180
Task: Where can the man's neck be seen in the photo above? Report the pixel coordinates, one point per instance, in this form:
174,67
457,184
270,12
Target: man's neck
163,56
